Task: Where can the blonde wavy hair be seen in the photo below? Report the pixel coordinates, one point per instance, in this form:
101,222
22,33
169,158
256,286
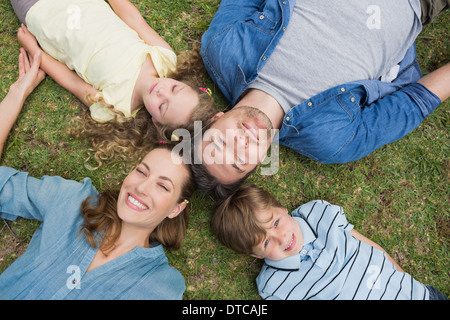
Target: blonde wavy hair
129,139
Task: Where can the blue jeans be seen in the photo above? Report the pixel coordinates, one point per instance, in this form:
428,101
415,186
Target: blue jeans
436,294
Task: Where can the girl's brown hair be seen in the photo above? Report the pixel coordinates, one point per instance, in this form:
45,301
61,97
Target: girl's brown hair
234,221
102,225
129,139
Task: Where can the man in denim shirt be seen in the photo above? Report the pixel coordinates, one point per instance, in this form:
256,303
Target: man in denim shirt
341,124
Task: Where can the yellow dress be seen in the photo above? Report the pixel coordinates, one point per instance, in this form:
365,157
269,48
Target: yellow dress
88,37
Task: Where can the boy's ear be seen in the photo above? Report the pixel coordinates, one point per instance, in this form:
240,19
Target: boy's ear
257,257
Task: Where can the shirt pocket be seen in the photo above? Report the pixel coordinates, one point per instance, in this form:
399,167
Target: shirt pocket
262,21
321,127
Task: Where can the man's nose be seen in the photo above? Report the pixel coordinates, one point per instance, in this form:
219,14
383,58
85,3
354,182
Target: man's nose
241,141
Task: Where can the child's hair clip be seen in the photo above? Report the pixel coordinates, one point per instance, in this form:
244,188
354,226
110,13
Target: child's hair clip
162,142
175,138
207,90
187,201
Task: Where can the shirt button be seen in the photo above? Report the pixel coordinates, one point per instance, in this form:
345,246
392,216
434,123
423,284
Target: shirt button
264,58
284,2
352,99
304,251
284,28
343,89
261,17
287,118
309,104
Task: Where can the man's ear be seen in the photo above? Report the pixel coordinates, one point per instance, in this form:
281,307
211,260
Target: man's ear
217,116
177,210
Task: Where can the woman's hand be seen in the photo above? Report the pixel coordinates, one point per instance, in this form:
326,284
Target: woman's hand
30,75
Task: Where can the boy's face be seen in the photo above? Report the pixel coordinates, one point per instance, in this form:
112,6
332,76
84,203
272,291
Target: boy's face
283,235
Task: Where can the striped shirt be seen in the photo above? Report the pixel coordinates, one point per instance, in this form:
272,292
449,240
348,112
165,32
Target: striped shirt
333,264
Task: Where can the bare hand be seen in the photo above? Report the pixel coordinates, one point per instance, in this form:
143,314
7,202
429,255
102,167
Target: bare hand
30,75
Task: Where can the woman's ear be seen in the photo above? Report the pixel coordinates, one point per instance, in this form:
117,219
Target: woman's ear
177,210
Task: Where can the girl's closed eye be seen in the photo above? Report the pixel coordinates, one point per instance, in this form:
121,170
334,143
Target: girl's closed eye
276,223
140,171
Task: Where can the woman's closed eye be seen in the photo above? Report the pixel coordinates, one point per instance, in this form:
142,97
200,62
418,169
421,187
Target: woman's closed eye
164,187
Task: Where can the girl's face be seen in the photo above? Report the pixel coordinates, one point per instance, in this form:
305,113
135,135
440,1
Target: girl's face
150,193
170,101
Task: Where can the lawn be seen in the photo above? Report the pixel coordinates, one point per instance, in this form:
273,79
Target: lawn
398,196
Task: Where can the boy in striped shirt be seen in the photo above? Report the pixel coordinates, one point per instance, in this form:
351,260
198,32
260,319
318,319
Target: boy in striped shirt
313,253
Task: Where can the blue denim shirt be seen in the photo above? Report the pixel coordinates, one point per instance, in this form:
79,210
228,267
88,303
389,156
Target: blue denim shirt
55,262
339,125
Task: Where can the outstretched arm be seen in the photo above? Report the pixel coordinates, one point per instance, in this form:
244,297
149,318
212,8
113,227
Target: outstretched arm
59,72
438,82
133,18
360,237
29,77
394,116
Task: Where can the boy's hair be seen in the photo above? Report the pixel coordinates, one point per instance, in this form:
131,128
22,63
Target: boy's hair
234,221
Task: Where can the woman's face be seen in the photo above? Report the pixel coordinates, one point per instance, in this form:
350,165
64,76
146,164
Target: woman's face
170,102
150,193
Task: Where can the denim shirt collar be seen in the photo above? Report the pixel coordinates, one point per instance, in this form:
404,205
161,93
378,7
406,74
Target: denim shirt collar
292,263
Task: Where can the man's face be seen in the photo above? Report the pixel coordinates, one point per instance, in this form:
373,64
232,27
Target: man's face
236,143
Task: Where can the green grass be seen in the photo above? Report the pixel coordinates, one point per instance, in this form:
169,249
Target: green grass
398,196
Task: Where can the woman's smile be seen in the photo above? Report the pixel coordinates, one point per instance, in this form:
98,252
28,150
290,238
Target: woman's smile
135,204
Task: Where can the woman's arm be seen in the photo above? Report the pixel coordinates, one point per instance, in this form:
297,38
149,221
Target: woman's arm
59,72
360,237
133,18
30,75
